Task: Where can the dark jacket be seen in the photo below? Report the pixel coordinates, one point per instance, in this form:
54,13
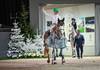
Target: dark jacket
79,40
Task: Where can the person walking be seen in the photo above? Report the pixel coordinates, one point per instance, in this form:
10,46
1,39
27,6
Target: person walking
79,44
73,27
74,24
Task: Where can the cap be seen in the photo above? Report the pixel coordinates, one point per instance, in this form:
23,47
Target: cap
56,9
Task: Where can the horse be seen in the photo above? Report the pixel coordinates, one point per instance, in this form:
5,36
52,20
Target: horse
49,39
72,37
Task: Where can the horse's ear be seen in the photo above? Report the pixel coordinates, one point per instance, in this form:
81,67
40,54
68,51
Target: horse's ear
63,19
58,20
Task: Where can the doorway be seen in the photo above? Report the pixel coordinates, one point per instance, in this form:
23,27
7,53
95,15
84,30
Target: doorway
85,19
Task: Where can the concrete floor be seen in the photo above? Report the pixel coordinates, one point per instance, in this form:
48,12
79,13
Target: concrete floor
87,63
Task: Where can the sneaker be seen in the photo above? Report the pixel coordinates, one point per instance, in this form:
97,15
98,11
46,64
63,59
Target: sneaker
81,57
78,57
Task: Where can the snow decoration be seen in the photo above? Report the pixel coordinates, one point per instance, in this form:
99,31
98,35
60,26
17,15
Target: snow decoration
16,42
35,47
18,48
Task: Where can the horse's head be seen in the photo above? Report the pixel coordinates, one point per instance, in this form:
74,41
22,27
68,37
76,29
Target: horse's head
61,22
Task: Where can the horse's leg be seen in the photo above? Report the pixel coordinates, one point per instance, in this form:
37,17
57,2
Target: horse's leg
48,61
69,37
56,52
61,52
46,53
54,56
73,50
48,56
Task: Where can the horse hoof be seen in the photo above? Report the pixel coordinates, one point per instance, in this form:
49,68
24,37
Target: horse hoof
63,62
48,61
54,62
73,56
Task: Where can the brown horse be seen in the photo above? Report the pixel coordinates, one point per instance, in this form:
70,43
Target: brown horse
56,30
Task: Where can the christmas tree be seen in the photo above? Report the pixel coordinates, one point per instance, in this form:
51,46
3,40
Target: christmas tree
23,41
24,24
16,42
32,43
20,49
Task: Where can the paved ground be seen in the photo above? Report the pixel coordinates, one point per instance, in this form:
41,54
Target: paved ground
87,63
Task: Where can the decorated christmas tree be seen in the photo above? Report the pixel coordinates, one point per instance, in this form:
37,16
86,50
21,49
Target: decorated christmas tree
23,41
33,44
16,42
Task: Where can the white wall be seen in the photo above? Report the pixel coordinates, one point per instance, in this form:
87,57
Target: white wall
87,10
